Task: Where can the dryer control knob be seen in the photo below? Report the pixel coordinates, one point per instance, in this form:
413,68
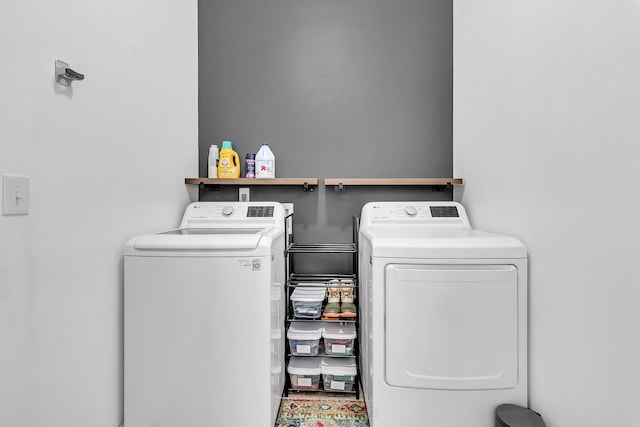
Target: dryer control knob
227,211
410,211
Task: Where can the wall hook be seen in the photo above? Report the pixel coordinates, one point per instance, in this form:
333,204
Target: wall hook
65,75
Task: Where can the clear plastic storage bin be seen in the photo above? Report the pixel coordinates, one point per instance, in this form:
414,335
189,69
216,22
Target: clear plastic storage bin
304,373
304,338
307,302
338,374
339,338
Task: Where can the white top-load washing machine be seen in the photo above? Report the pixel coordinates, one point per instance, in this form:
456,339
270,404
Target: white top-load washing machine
204,319
443,316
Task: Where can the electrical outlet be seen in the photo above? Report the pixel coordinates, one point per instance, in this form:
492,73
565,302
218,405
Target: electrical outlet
15,195
244,194
288,208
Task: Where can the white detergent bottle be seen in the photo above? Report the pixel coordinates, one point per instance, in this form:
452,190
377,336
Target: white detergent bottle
212,161
265,162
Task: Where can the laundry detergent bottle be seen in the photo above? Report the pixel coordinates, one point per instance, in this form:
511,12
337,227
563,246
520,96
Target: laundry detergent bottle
265,162
229,162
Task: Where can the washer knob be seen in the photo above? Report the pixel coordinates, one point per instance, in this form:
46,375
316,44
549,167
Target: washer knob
227,211
410,211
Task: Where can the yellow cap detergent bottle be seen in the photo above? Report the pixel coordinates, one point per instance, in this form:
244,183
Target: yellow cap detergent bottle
229,163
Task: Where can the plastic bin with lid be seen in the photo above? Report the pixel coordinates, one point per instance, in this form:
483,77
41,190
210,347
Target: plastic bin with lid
304,373
304,338
338,374
339,338
307,302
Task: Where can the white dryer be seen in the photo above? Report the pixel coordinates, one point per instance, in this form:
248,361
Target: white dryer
443,316
204,319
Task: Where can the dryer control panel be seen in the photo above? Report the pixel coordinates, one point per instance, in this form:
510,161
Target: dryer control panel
424,214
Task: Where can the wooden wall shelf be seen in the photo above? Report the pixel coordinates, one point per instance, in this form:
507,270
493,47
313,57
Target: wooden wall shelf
340,183
306,183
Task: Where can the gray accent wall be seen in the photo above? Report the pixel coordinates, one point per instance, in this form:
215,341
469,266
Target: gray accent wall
349,88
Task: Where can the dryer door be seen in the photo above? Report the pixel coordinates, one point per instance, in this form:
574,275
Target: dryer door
451,327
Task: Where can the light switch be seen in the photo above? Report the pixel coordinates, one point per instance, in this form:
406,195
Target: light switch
15,195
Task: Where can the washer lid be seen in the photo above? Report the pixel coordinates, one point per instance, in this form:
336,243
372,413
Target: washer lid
442,243
200,239
214,231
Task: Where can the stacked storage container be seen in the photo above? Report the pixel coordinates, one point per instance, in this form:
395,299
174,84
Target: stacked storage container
307,302
304,338
339,339
304,373
338,374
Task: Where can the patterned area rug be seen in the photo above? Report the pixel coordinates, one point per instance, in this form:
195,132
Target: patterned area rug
322,413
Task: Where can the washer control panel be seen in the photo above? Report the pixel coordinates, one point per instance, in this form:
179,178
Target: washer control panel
444,211
260,212
203,213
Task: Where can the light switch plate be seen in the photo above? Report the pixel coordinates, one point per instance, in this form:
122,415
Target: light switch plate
15,195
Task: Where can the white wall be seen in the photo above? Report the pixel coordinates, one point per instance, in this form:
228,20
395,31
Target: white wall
546,123
106,162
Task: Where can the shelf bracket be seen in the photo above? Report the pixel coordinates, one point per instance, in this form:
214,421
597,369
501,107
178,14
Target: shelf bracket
65,75
210,187
440,188
339,187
